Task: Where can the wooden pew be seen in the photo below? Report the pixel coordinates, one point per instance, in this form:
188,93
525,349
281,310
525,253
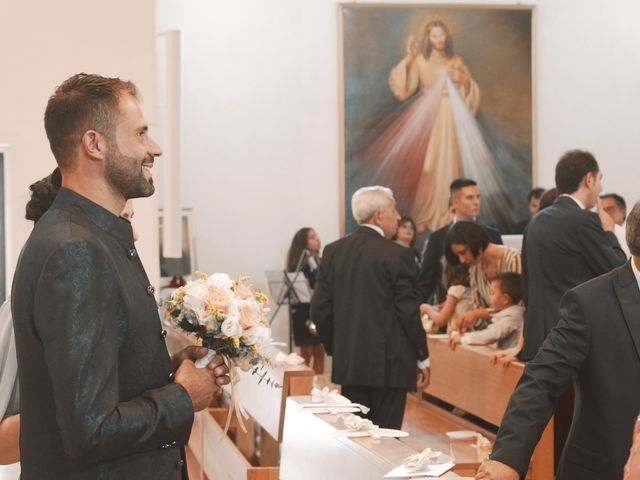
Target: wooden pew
234,455
311,451
465,378
218,456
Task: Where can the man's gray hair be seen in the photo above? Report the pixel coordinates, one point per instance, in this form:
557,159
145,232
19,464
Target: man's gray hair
633,230
368,200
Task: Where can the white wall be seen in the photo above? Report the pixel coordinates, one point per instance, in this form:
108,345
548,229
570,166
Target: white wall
261,151
41,44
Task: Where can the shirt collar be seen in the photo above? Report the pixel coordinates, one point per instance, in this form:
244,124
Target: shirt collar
113,225
374,227
580,204
636,273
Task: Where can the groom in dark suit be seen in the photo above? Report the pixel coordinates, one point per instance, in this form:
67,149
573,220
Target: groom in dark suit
465,201
99,395
366,309
597,341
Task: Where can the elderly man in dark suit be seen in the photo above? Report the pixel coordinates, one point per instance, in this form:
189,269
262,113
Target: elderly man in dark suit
597,341
99,395
465,201
366,309
565,245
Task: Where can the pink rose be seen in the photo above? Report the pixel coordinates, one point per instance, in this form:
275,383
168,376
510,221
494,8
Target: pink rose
243,292
217,301
249,317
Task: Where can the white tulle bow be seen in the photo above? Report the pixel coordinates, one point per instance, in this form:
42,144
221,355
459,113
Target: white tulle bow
419,461
288,360
328,396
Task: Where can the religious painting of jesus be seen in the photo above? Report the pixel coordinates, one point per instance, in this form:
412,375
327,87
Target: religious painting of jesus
433,93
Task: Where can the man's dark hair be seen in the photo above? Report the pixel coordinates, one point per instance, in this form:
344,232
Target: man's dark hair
43,193
633,230
466,233
459,183
535,193
83,102
511,284
571,169
618,199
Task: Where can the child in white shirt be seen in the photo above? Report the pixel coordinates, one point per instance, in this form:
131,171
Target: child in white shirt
508,318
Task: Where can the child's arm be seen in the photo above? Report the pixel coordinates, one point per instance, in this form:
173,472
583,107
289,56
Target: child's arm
497,330
505,357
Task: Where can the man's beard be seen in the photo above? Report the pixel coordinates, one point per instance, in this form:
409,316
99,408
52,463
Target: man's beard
124,174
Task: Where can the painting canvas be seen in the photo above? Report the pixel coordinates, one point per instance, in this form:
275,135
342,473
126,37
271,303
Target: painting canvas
433,93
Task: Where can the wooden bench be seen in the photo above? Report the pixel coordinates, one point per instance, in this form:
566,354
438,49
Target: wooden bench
235,455
217,455
466,379
311,451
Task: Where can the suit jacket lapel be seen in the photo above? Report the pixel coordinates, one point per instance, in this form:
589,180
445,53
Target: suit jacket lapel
628,294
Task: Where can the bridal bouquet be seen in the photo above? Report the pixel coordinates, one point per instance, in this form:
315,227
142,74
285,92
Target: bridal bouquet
229,316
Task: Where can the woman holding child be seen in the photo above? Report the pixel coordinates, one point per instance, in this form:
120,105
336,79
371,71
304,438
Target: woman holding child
467,243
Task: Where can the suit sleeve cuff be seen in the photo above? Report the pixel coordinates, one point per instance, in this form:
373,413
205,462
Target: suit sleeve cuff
426,363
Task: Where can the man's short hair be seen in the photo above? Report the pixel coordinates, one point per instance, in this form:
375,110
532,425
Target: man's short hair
622,205
466,233
535,193
368,200
633,230
459,183
511,284
571,169
83,102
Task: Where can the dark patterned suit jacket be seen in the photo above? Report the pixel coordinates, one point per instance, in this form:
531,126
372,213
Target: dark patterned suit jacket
97,398
366,309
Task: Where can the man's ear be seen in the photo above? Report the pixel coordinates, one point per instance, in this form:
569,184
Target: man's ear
589,179
94,145
375,218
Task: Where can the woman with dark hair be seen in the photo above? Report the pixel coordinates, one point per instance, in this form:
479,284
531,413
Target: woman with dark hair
468,243
43,192
304,255
407,235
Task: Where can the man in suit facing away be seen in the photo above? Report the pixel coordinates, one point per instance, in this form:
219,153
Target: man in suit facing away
366,309
597,341
465,201
565,245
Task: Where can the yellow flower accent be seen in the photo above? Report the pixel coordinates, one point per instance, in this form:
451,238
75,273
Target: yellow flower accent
261,297
201,276
235,341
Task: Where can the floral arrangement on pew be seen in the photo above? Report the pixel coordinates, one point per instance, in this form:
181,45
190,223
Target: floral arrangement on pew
229,317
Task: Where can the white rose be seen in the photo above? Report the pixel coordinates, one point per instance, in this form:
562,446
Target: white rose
231,326
260,335
220,280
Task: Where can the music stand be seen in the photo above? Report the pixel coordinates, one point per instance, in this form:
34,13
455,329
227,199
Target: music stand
288,288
